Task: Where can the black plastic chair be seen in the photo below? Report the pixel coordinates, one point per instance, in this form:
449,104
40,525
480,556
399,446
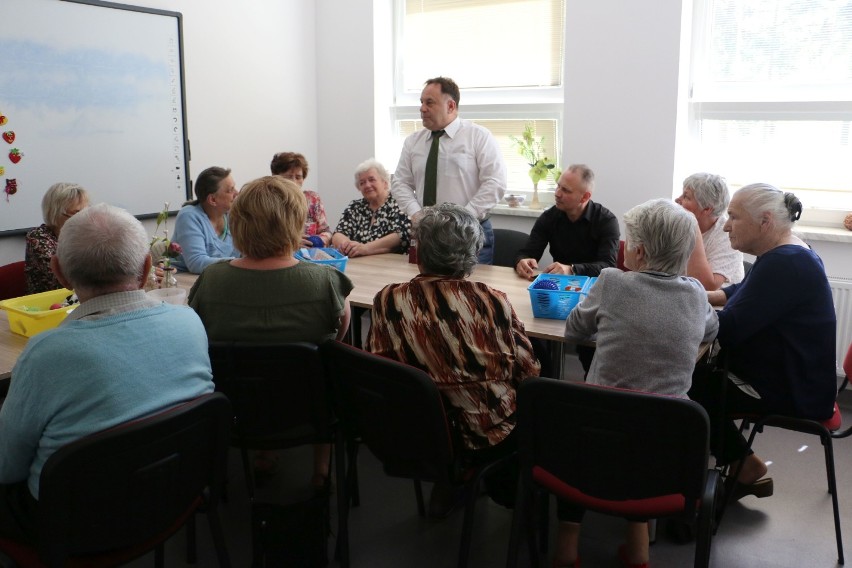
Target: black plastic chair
279,396
280,400
826,430
507,243
397,411
616,452
113,496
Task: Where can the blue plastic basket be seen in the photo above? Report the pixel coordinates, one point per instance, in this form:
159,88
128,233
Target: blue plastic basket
557,304
338,261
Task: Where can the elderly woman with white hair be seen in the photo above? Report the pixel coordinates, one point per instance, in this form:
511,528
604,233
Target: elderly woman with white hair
60,202
714,262
465,334
777,331
654,316
373,224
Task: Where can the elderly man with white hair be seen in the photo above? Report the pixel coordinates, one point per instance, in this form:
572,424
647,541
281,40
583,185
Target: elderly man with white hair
714,262
119,356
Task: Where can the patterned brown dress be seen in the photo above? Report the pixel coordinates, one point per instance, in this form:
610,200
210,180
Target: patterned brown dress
468,338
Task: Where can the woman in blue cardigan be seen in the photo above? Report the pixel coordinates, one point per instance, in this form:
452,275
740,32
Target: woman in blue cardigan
777,329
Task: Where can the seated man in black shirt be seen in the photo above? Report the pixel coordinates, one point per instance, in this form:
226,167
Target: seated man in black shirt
583,235
583,238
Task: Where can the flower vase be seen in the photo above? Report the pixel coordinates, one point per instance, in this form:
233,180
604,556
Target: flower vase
169,279
535,203
151,282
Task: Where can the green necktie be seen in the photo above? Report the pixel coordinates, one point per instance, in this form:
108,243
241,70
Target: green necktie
430,187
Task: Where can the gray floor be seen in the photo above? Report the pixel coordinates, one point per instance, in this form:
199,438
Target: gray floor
792,528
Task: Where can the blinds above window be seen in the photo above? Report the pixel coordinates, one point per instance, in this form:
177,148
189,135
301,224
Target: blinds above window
514,43
775,50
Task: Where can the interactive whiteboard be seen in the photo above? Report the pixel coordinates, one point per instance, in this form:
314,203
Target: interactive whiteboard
93,93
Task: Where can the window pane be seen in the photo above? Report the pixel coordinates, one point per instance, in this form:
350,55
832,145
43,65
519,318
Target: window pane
798,155
518,168
788,44
515,43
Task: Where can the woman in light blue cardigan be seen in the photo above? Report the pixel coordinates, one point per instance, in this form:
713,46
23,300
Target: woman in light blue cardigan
201,227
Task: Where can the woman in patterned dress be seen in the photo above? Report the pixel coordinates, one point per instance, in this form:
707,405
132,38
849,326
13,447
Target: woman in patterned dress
465,335
373,224
59,204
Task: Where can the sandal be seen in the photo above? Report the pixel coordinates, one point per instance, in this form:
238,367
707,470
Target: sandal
625,561
760,489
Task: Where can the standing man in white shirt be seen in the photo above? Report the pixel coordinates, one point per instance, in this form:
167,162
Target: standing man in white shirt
450,160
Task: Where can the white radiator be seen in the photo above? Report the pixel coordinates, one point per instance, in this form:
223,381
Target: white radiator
841,289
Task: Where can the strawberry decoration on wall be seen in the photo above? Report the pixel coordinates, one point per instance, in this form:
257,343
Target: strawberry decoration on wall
15,156
11,187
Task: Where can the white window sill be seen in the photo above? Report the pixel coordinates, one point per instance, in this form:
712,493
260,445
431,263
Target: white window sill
830,234
520,211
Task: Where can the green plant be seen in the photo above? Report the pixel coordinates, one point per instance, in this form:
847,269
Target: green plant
532,149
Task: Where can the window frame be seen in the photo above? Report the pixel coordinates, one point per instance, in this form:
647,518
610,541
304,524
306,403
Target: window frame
510,103
738,102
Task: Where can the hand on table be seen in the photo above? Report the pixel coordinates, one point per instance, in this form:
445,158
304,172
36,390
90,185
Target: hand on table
526,268
559,268
352,248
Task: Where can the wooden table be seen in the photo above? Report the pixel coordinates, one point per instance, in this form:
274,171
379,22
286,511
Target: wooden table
370,274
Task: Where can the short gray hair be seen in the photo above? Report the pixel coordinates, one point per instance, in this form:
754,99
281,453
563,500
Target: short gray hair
102,249
710,190
449,239
371,164
783,208
58,198
587,176
666,230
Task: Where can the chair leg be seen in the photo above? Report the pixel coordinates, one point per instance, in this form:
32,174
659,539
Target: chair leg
418,493
217,534
704,523
191,548
832,488
352,472
467,525
159,556
342,545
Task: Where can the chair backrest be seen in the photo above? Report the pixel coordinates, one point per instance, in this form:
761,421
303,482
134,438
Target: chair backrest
746,268
13,281
396,409
613,446
278,392
123,486
507,243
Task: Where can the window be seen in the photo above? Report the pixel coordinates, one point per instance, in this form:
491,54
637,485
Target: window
770,95
508,67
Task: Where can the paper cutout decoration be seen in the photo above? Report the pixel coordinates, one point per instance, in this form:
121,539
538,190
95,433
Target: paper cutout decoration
2,171
11,187
15,155
3,119
9,136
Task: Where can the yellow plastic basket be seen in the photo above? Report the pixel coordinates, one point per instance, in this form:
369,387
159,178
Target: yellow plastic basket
29,315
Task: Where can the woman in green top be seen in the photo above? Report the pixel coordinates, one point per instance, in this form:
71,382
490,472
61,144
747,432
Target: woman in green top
267,295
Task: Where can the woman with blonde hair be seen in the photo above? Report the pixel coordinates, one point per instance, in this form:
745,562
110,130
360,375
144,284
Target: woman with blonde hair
268,295
60,202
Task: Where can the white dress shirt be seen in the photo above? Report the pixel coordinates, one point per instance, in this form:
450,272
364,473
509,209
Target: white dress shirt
471,171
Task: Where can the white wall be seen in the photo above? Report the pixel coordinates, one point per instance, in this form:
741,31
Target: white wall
250,86
272,75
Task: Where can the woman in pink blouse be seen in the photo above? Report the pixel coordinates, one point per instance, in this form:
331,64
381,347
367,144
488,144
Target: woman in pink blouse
294,167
